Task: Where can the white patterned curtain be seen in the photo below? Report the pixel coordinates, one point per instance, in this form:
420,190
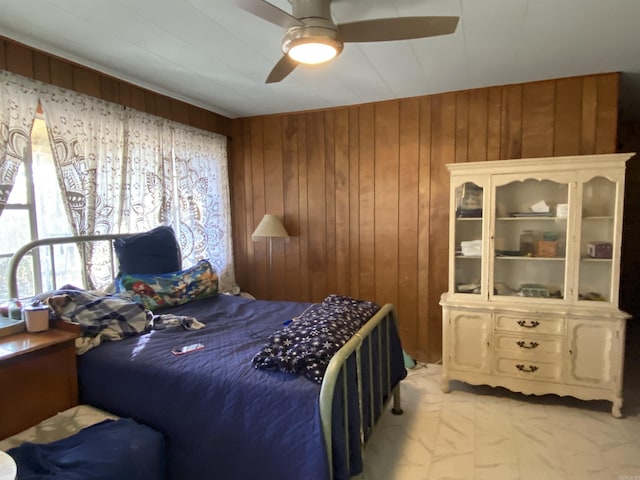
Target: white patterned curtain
202,216
86,136
18,105
147,150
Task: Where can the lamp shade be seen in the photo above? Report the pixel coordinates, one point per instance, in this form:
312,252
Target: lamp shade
270,226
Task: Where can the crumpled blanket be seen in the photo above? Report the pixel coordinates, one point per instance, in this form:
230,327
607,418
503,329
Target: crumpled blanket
109,317
113,449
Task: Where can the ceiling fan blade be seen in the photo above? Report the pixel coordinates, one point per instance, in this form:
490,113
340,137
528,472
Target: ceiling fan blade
283,68
268,12
402,28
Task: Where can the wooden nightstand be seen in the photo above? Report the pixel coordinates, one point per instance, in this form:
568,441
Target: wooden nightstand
38,377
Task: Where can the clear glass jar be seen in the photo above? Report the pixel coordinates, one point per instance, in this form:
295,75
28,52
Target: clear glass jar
15,309
527,243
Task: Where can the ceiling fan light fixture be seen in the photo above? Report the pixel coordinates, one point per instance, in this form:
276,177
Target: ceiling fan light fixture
312,52
311,45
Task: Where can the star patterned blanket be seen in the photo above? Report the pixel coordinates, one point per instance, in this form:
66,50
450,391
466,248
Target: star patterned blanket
306,344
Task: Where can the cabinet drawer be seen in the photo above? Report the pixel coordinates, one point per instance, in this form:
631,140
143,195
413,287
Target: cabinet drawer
529,346
529,369
530,323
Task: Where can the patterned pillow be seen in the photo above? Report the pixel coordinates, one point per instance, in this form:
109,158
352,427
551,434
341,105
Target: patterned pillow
156,291
308,343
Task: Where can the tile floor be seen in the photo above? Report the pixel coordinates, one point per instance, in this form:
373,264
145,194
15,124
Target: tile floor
490,433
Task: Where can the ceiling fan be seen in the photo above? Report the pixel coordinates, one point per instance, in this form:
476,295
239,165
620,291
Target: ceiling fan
312,37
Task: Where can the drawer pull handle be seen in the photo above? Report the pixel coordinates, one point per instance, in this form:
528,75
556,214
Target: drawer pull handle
530,369
531,345
532,324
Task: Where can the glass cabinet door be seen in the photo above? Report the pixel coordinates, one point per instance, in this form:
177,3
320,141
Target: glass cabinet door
468,238
530,239
596,239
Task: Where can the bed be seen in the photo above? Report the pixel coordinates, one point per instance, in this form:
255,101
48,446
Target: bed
224,418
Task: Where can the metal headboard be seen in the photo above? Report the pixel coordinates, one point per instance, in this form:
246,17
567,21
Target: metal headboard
50,242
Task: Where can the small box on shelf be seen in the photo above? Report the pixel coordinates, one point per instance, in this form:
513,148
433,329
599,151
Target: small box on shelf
599,250
547,248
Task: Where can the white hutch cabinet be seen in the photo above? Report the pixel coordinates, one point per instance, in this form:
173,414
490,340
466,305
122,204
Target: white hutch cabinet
534,268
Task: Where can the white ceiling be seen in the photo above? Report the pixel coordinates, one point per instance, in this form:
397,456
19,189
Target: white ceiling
216,56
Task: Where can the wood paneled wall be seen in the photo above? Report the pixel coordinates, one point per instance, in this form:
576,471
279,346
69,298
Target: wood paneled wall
364,190
28,62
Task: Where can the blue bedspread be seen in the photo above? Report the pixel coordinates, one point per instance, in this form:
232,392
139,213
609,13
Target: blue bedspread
222,418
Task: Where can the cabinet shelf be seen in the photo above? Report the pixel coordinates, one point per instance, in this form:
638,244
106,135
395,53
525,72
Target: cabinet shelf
531,218
523,257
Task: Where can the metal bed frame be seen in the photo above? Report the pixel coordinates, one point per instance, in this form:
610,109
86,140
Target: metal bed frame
357,353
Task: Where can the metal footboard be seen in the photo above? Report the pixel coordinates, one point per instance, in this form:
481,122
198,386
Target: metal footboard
359,350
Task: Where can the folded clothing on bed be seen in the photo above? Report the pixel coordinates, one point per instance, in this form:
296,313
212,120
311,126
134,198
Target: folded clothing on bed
113,449
306,345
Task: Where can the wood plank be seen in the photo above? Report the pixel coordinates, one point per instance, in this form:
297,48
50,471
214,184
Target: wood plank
251,282
367,200
386,145
3,54
237,191
163,106
462,127
180,111
150,107
258,207
442,152
538,106
342,204
354,201
511,143
109,89
589,115
305,277
41,70
19,59
61,73
408,202
86,81
330,200
316,173
568,113
494,123
137,98
274,201
478,124
291,179
424,226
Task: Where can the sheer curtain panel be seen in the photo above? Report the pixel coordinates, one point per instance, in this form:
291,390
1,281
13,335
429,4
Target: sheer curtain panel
18,105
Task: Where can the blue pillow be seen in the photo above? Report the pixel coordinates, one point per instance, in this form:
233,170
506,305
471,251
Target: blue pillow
155,251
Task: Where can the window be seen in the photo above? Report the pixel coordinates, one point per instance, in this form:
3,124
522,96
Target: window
35,210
